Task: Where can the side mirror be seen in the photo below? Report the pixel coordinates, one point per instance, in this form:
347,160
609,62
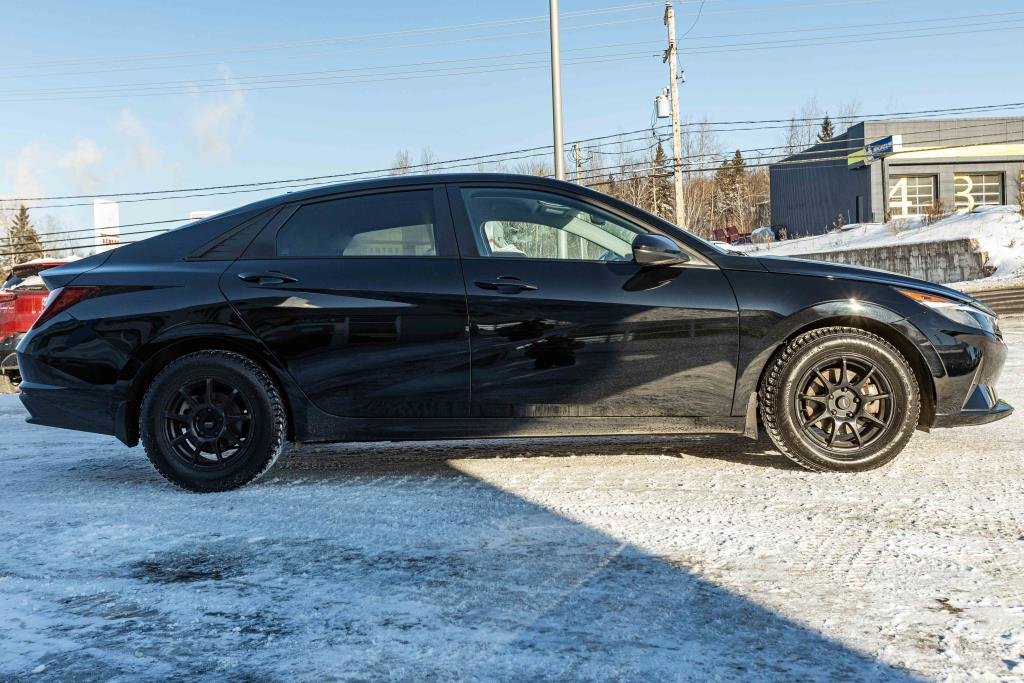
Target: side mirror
655,250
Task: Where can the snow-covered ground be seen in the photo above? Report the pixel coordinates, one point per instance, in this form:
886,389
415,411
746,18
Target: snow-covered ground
998,229
681,558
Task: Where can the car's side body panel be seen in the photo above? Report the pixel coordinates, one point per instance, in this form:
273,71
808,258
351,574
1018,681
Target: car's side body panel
685,356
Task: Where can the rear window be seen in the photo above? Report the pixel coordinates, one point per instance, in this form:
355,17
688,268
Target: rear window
389,224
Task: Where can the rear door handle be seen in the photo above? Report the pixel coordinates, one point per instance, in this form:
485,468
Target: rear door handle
269,278
506,284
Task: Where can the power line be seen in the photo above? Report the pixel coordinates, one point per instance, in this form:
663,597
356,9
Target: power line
450,41
356,75
495,157
403,34
437,166
818,42
388,49
592,175
469,26
199,85
478,157
235,88
230,86
696,20
890,22
832,153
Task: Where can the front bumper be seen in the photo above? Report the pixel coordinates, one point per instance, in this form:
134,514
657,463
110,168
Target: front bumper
965,418
970,362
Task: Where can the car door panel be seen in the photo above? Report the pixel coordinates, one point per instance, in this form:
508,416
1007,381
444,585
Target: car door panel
585,344
371,336
593,339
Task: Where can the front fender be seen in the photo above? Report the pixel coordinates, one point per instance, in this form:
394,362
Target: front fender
763,333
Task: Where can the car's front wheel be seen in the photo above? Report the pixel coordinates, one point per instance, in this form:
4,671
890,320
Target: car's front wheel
212,421
839,399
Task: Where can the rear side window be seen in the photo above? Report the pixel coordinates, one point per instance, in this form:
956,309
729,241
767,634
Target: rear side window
390,224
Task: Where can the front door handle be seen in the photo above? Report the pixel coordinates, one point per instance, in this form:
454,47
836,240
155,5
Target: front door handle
269,278
506,284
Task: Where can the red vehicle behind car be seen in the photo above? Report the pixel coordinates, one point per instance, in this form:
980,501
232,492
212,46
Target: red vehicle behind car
22,297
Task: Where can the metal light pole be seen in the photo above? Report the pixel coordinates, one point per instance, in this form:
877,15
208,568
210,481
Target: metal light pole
556,93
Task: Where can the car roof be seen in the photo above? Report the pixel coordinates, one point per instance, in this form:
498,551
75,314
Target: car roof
419,179
184,240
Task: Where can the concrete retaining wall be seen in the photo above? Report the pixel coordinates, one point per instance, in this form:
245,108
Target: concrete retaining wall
953,261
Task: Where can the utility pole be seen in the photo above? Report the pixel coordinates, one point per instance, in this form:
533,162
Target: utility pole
556,93
670,56
577,156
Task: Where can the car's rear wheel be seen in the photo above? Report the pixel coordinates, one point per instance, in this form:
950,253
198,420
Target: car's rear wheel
840,399
212,421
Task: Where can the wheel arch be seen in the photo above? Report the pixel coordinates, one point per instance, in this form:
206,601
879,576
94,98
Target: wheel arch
896,330
181,341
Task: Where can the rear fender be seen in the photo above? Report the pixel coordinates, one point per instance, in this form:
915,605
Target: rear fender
183,339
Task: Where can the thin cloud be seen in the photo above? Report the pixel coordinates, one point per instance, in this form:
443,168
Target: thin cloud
24,172
82,163
222,123
141,149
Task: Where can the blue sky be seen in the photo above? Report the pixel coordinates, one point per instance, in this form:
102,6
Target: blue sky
63,143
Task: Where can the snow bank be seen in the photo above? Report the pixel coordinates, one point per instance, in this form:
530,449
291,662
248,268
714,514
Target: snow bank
998,229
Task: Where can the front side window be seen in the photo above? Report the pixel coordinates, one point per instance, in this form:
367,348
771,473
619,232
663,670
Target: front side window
390,224
530,224
911,195
978,189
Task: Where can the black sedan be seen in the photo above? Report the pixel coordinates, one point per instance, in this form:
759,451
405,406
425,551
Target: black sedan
489,305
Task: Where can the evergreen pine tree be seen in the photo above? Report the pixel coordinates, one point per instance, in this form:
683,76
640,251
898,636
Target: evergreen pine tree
826,133
662,189
22,238
730,189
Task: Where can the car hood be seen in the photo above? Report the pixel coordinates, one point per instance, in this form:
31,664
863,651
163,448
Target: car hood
797,266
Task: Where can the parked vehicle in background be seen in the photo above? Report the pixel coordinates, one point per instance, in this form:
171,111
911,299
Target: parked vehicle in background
762,235
476,305
725,246
22,297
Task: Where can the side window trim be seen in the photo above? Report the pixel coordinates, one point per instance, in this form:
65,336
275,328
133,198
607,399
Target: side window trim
467,241
264,247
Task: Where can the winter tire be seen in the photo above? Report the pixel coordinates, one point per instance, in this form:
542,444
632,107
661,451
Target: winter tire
839,399
212,421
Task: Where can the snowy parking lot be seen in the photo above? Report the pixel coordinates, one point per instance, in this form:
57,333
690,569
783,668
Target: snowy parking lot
561,559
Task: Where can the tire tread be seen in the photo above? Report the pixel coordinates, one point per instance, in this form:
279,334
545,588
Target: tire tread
775,375
278,417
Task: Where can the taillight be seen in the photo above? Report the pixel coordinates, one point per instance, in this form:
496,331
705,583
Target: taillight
61,299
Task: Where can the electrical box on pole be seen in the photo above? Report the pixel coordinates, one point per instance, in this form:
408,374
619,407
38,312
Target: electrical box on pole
663,105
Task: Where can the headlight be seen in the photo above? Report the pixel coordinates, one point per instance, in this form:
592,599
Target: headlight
957,311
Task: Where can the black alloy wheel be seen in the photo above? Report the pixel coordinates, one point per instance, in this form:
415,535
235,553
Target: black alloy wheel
212,421
207,423
839,399
846,404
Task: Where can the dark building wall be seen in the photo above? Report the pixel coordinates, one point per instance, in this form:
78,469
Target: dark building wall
816,185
